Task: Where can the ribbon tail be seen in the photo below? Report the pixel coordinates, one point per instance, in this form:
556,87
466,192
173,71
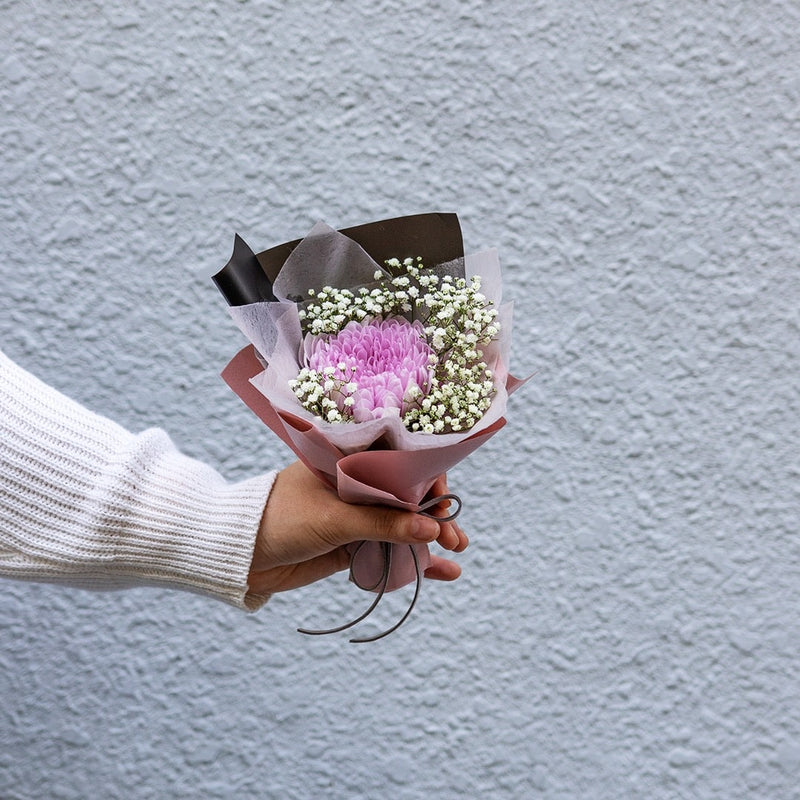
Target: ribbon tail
382,581
408,610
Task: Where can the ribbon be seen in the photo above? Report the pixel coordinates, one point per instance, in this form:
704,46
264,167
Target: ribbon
380,586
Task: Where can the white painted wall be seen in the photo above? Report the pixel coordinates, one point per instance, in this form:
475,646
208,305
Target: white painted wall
627,624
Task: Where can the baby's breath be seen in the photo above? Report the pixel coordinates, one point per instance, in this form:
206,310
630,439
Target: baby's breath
318,391
458,322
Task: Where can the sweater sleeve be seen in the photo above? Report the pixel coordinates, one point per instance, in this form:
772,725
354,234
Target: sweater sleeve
86,503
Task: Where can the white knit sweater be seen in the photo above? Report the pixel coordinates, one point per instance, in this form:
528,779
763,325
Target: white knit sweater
86,503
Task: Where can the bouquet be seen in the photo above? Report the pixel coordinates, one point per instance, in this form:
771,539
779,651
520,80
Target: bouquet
379,355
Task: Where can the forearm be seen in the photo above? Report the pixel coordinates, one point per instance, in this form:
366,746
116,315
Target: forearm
83,501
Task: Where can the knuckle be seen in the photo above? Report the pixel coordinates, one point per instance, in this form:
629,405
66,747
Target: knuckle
390,525
328,527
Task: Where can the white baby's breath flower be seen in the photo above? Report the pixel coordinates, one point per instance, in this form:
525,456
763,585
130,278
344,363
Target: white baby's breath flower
459,322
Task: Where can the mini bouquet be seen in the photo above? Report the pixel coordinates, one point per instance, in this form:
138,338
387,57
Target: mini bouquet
380,357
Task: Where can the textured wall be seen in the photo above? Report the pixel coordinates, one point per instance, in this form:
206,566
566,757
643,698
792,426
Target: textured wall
627,624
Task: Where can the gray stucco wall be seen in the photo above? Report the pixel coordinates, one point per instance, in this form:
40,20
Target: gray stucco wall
627,622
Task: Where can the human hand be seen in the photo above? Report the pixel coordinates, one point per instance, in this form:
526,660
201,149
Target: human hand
305,528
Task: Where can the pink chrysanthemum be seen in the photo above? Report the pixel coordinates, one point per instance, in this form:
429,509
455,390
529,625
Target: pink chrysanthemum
379,367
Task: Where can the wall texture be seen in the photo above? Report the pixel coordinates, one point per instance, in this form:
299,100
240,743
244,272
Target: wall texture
627,624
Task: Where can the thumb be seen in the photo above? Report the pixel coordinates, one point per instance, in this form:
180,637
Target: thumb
354,523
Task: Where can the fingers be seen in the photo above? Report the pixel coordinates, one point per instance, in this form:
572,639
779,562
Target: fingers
451,537
283,579
439,487
442,569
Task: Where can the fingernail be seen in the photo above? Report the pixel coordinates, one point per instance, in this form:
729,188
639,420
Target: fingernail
424,529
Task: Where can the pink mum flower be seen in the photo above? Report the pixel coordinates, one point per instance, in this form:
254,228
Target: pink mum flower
379,367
